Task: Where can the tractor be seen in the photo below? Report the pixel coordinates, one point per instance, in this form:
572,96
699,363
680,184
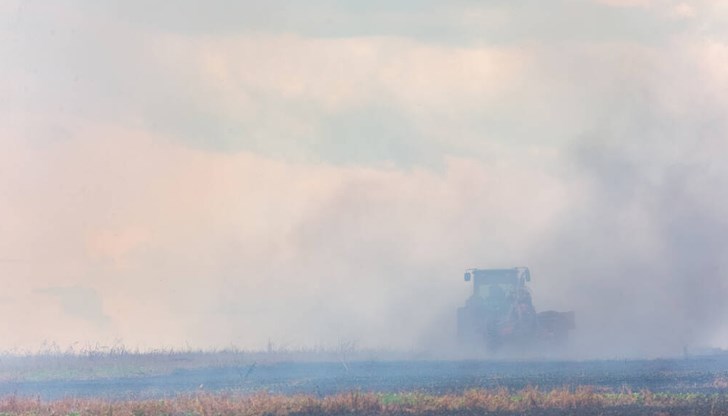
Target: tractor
499,314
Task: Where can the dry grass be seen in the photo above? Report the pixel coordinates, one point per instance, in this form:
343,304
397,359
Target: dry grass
582,400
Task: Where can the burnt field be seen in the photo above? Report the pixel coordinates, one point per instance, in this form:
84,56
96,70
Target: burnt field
501,402
141,377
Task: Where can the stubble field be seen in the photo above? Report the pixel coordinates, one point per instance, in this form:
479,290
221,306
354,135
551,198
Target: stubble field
236,383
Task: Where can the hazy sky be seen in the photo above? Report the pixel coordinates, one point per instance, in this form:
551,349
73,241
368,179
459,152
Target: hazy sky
215,173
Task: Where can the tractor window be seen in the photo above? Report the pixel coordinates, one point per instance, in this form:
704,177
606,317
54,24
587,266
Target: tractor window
483,291
494,292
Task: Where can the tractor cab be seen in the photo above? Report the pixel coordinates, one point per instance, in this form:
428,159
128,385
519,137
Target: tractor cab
498,290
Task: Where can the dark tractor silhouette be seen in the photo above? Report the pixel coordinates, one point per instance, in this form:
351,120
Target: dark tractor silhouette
500,314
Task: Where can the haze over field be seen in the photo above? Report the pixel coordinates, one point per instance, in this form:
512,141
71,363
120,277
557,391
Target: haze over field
227,173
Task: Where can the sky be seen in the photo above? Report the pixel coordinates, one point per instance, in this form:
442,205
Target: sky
207,174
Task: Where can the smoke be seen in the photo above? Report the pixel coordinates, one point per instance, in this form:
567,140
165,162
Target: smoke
641,255
235,187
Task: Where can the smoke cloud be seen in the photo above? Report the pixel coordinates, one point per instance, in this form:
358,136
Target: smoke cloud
171,182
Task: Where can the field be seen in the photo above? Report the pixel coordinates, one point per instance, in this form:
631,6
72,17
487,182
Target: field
237,383
530,401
